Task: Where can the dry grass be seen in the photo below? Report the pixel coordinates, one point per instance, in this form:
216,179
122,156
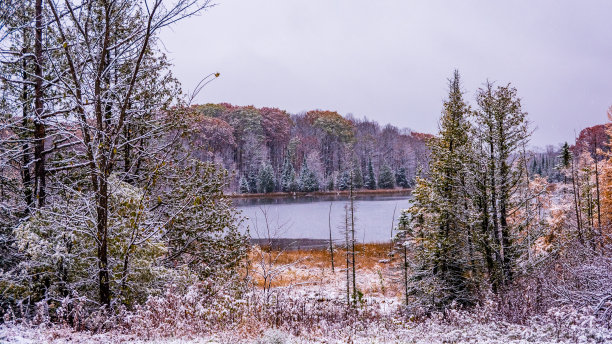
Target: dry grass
375,268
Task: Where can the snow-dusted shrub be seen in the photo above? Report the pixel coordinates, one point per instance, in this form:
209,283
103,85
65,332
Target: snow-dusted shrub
202,308
202,225
576,276
273,337
59,247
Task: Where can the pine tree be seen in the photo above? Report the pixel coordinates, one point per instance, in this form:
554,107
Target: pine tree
565,156
330,183
357,178
401,241
308,181
385,178
401,179
252,180
370,182
244,185
288,181
502,133
344,180
265,179
440,212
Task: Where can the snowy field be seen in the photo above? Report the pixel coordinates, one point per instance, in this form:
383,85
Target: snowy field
307,304
467,330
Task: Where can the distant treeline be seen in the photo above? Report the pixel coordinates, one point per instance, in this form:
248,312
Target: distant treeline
268,149
545,163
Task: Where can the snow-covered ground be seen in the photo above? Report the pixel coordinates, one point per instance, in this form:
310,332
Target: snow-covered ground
309,303
431,331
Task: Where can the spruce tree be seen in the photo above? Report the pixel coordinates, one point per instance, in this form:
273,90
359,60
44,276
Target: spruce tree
502,129
265,179
371,178
344,180
330,183
357,178
401,179
252,180
288,182
308,181
565,156
244,185
385,178
441,213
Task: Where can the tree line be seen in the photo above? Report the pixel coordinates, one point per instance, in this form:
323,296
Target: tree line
271,150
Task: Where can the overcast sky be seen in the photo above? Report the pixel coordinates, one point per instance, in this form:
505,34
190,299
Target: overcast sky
390,60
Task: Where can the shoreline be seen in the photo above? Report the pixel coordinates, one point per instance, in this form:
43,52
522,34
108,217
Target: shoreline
305,244
380,192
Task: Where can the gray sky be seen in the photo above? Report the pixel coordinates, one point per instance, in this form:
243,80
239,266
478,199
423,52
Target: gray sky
390,60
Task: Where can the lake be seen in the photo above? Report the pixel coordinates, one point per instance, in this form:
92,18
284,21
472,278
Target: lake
309,217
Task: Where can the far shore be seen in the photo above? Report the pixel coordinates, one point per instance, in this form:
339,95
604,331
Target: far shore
378,192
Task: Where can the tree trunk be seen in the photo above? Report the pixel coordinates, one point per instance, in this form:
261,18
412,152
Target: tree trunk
102,231
353,239
331,243
577,204
497,235
39,127
406,274
25,169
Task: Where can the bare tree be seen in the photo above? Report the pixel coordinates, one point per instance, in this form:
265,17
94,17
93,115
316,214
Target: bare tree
331,243
267,254
106,46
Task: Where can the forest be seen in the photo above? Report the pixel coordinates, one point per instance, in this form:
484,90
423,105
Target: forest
117,222
270,150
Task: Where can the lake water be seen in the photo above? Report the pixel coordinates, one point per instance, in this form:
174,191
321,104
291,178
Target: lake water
309,217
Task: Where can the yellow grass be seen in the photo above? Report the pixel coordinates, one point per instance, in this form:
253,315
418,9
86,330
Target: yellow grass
375,267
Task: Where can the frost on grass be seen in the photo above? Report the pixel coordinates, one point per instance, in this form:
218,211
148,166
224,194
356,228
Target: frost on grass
209,312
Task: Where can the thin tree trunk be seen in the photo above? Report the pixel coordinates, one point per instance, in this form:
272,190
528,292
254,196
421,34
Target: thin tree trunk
503,222
577,204
39,127
497,236
102,232
346,241
597,192
527,208
406,274
25,170
392,223
331,243
353,239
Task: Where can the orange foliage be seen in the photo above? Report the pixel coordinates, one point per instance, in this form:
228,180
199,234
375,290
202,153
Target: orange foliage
332,123
606,182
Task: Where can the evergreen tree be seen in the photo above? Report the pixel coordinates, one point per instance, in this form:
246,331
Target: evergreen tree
400,178
252,180
244,185
357,178
288,181
441,212
370,182
344,180
308,181
565,157
502,133
265,179
385,178
330,183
